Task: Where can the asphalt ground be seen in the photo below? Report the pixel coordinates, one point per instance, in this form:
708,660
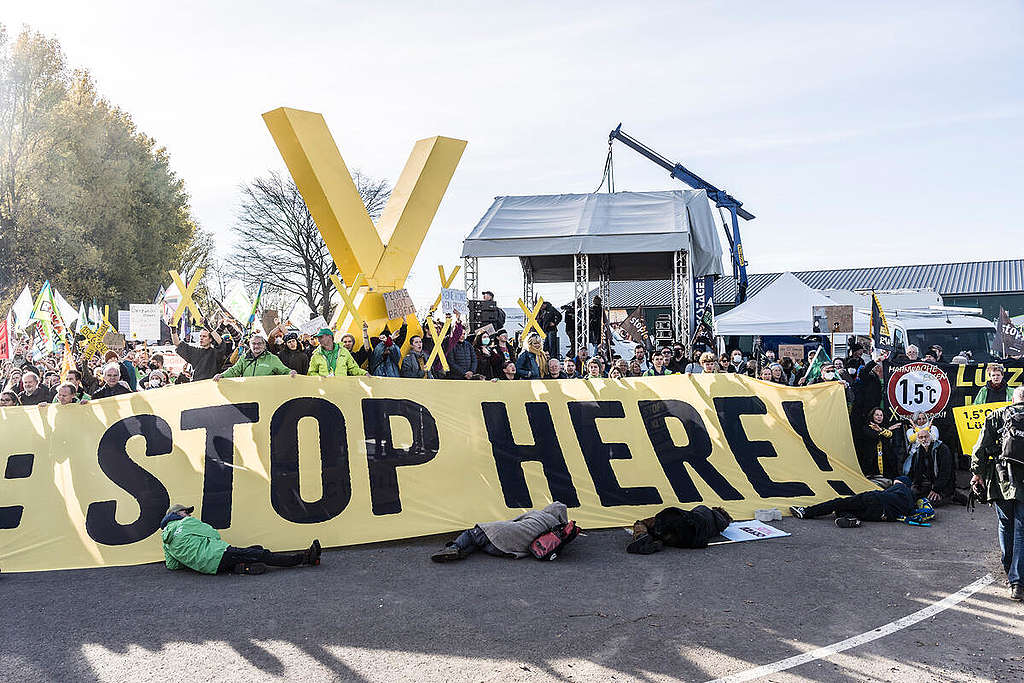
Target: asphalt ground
385,612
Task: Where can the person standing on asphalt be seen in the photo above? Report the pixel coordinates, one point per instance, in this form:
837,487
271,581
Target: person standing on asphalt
997,464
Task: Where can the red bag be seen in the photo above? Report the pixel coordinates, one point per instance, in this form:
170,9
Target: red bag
547,545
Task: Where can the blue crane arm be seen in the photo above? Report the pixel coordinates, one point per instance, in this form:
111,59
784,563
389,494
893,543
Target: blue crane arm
720,197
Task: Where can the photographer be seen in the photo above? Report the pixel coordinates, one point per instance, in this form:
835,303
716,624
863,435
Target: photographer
997,464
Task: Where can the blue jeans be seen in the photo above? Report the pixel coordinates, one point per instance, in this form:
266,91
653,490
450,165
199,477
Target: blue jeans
1011,537
474,539
551,343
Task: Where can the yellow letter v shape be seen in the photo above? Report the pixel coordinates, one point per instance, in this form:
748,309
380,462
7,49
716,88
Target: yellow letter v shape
383,253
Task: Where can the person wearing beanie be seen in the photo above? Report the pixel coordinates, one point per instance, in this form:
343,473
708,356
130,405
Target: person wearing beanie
292,354
870,506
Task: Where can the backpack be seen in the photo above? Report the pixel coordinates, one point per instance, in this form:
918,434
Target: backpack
922,515
548,544
1013,438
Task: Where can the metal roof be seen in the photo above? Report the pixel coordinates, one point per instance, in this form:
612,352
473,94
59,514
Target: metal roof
948,279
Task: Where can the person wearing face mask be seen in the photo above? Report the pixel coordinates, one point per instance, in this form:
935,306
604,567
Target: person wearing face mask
736,361
487,359
156,379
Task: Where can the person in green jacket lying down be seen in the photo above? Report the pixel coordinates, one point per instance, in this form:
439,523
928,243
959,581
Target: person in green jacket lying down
191,543
257,363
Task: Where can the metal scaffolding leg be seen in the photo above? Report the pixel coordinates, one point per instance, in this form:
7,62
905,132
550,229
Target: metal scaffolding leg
528,295
604,276
470,277
581,285
681,299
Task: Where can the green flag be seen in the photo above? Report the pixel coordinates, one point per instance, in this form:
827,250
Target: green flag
814,370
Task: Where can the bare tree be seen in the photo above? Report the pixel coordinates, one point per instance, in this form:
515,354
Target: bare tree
278,242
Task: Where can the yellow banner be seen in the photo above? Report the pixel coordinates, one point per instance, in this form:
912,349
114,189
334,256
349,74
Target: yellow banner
970,420
277,461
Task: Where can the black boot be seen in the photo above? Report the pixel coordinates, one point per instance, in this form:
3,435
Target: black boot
645,545
313,554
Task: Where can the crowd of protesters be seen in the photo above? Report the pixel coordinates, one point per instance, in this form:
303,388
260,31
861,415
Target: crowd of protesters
885,448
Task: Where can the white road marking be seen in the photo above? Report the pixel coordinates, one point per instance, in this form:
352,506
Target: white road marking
880,632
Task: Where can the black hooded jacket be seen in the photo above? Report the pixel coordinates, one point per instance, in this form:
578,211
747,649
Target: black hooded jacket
688,529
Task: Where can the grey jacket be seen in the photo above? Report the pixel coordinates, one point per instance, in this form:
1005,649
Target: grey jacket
412,363
515,536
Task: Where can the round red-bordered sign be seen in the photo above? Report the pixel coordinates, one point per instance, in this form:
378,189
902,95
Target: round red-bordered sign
918,388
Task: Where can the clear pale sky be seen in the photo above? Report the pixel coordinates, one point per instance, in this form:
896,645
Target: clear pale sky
866,134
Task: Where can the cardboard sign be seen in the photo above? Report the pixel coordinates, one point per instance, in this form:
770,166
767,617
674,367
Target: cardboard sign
970,420
270,320
143,322
399,304
832,319
313,326
794,351
453,300
114,340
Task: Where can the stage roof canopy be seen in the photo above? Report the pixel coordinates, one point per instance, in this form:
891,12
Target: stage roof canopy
639,231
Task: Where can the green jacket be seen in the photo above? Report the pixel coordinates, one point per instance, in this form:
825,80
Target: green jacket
261,366
988,449
982,395
193,544
346,364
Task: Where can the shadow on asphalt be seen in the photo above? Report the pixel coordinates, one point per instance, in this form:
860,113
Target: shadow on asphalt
689,615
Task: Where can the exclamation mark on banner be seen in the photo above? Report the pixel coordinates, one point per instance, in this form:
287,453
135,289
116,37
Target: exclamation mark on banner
798,421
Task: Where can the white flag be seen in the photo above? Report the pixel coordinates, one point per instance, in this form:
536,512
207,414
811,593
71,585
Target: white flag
67,312
23,309
237,302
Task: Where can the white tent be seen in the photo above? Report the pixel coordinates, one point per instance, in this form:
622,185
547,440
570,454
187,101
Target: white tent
781,308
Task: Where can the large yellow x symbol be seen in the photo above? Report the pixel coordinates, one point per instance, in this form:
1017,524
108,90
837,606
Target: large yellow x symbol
186,296
383,252
348,305
438,343
445,283
531,319
95,343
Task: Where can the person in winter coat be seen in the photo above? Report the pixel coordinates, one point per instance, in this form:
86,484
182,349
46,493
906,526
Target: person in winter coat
461,354
995,390
878,448
258,363
331,359
504,539
488,362
548,318
998,477
188,542
292,355
386,359
867,390
533,362
414,364
870,506
933,470
678,529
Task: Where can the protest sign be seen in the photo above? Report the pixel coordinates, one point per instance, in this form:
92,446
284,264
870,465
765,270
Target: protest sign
454,300
124,322
385,455
918,388
399,304
794,351
143,322
832,319
751,531
970,420
5,344
114,340
313,326
269,320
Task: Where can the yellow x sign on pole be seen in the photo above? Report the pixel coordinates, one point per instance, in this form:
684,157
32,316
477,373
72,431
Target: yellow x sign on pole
348,304
438,342
446,282
531,319
186,296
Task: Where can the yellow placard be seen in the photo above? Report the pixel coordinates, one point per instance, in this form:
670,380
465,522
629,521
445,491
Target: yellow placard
970,420
278,461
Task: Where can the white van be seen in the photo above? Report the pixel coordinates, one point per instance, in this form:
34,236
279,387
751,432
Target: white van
953,331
